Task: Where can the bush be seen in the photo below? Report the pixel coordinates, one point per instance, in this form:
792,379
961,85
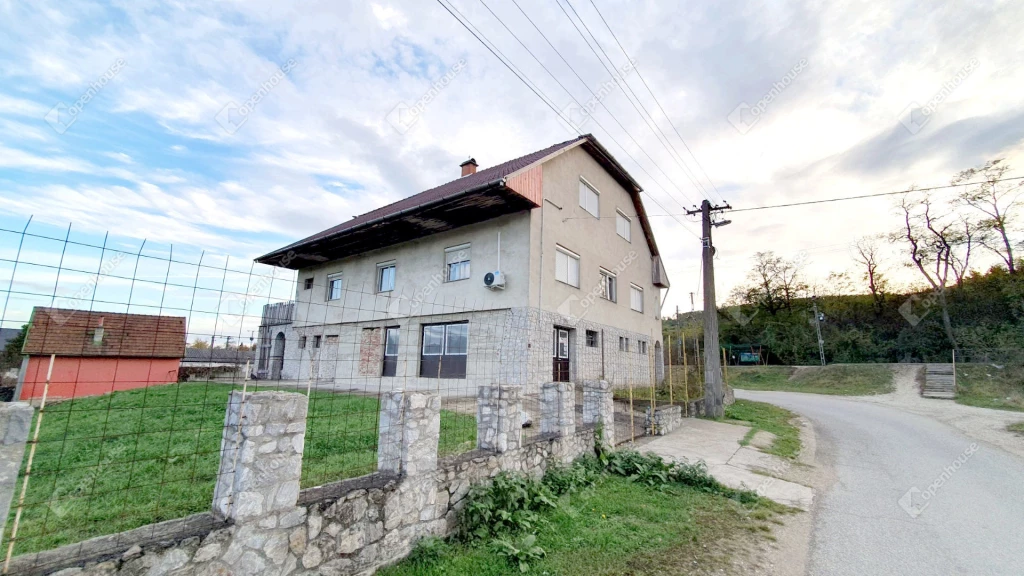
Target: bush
519,553
509,504
429,551
580,475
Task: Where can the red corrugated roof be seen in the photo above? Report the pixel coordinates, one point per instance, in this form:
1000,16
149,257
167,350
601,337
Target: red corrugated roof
71,333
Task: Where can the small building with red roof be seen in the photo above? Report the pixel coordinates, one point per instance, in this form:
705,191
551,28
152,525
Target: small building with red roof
98,352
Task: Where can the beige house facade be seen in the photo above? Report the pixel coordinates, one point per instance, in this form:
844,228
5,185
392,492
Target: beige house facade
540,269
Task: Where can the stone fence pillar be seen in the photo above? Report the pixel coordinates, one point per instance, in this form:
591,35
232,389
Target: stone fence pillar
410,430
558,409
599,408
261,455
15,423
499,423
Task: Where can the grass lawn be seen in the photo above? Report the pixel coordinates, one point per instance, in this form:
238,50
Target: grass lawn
616,527
762,416
115,462
837,379
1017,428
999,386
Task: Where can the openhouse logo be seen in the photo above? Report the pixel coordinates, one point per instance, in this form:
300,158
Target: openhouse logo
233,116
63,116
744,117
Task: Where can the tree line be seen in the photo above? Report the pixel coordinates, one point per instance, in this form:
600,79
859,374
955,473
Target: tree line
866,318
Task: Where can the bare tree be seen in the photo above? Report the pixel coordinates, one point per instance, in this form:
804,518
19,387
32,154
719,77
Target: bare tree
932,240
997,202
868,255
960,261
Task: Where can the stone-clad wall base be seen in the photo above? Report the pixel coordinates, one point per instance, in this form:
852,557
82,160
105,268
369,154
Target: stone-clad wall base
664,420
353,533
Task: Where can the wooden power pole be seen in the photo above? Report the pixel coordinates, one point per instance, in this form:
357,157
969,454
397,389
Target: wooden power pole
714,393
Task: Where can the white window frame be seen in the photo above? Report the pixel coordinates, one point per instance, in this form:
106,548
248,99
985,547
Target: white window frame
444,339
634,290
570,256
613,294
331,279
585,198
447,328
621,218
381,267
467,261
388,331
423,344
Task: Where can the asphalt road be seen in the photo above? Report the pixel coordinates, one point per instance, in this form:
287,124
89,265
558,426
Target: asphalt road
912,496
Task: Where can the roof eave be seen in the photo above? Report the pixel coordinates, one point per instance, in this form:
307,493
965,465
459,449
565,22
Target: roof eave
272,258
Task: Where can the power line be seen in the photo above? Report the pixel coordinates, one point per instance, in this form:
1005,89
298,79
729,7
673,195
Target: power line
539,93
656,101
654,129
907,191
567,91
875,195
495,51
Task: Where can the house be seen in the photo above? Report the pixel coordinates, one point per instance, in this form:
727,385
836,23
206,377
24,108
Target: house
213,363
98,352
543,268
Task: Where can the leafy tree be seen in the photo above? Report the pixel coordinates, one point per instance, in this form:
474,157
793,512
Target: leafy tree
200,344
773,283
12,350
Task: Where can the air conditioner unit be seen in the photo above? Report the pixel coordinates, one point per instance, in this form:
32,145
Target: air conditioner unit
495,280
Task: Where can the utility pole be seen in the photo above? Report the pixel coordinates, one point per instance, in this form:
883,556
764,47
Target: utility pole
692,306
817,327
714,394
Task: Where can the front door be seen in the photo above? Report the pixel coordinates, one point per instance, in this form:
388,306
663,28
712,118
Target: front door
560,361
390,351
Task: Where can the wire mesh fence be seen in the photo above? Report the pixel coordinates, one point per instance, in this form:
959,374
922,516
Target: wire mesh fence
129,353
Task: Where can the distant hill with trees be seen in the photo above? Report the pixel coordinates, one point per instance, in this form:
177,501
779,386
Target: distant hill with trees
956,305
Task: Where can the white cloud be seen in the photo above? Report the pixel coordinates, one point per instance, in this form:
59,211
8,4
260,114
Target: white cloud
317,148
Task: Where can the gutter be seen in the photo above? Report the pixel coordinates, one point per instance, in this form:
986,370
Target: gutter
477,188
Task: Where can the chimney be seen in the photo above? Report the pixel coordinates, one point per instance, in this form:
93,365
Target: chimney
97,335
469,167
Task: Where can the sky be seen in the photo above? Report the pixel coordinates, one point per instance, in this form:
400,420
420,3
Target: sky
227,129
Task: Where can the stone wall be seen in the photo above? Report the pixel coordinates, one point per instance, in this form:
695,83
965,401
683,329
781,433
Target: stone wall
262,524
665,419
15,422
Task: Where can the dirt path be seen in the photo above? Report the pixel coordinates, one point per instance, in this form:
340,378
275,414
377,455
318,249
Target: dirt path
984,424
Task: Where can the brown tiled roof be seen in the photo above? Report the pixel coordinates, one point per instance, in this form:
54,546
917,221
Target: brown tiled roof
482,178
71,332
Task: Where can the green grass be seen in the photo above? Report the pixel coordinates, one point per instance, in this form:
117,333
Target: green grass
762,416
1017,428
115,462
991,385
616,527
837,379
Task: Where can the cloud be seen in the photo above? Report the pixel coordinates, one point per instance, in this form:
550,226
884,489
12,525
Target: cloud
148,158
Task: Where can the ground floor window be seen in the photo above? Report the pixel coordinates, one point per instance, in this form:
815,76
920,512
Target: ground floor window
390,351
444,350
